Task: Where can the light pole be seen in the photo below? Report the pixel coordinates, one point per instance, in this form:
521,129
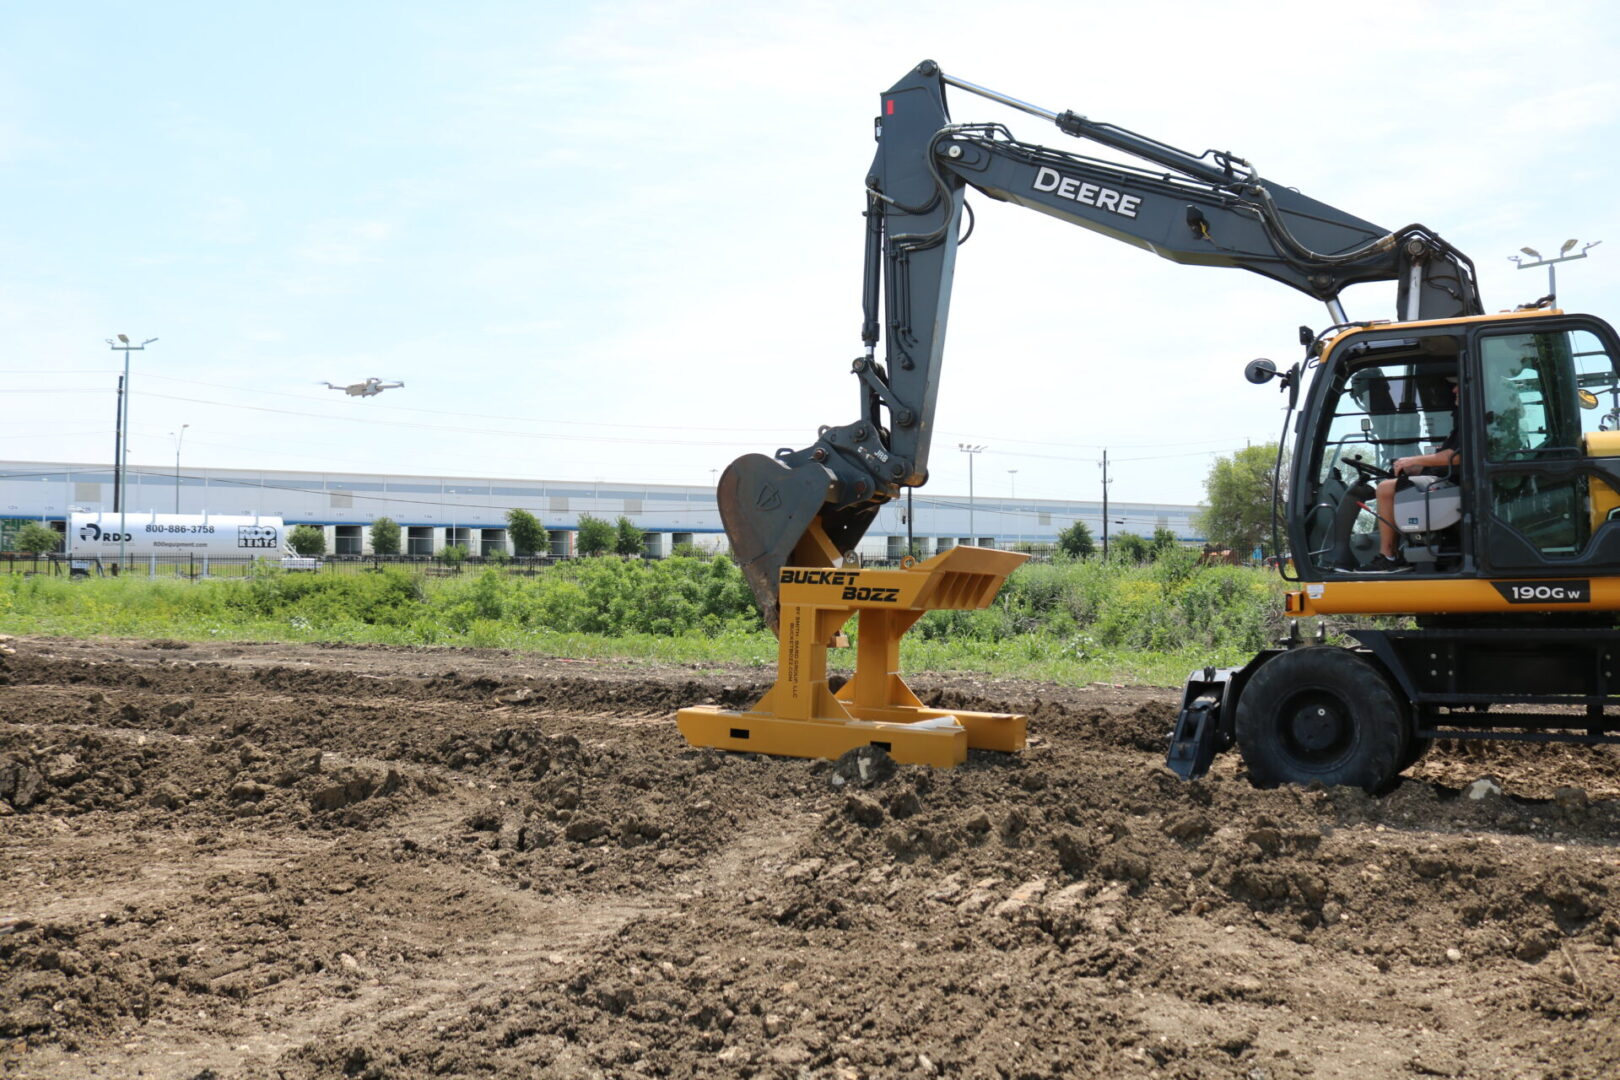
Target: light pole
1012,494
970,449
121,438
178,439
1551,264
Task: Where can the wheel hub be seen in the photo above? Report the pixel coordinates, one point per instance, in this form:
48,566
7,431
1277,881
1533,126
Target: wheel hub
1316,726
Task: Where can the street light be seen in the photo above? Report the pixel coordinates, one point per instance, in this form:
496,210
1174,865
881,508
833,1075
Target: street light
1551,264
178,439
121,436
971,449
1012,494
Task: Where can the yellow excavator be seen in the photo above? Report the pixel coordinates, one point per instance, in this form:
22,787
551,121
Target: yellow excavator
1507,555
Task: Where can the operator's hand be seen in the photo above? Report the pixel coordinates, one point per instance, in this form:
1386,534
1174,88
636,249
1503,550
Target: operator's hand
1406,464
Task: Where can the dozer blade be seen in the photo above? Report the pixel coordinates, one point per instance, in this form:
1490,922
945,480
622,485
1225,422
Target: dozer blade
770,512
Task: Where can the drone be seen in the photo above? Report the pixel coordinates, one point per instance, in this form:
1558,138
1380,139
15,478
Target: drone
370,388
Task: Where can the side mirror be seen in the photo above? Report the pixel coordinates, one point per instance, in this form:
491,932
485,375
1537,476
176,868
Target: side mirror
1260,371
1589,400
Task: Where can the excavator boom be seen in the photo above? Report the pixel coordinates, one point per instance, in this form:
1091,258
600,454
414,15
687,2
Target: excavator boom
807,507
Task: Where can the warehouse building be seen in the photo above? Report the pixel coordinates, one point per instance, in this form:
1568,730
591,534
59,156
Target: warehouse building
434,512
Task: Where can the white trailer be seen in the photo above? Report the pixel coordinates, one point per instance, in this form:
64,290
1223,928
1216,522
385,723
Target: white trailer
110,535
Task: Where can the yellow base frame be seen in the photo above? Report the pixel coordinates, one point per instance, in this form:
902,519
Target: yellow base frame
801,717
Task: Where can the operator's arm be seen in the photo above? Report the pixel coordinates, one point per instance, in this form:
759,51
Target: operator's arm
1440,459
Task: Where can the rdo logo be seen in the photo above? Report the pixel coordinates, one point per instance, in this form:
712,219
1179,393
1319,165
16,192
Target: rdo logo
92,533
255,536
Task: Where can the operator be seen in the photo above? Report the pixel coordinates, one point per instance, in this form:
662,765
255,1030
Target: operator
1421,471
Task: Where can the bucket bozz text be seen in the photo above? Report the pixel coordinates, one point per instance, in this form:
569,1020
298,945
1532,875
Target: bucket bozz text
847,579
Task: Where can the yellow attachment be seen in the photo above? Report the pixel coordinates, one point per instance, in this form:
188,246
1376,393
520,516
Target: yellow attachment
1604,499
801,717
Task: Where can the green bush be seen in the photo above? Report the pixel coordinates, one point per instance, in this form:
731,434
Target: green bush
37,539
529,537
1128,547
1076,541
307,540
595,536
1066,620
391,598
627,538
385,536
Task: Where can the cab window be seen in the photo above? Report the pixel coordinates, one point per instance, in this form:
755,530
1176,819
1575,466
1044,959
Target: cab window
1380,410
1548,397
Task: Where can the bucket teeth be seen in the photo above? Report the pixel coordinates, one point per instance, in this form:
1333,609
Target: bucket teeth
767,509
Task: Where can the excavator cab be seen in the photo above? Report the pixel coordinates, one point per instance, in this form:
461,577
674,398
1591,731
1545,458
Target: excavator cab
1384,399
1538,479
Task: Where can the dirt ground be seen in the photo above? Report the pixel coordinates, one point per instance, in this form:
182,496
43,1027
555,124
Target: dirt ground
226,860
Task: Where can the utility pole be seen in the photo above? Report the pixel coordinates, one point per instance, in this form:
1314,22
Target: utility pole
970,449
1551,264
1105,483
121,447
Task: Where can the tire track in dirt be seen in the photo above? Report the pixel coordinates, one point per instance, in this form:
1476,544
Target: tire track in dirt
548,935
554,884
548,938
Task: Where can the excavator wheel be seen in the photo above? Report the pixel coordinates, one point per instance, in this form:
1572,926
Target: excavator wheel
1321,714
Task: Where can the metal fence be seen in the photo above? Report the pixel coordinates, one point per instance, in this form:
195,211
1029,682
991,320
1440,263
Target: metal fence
195,567
199,567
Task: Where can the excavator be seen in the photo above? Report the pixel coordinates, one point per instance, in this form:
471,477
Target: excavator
1506,565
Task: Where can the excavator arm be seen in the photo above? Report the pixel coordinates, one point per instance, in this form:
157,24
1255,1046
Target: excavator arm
808,507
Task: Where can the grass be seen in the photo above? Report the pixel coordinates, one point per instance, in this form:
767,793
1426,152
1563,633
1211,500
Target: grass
1066,623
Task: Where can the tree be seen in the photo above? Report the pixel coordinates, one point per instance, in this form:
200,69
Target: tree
1239,493
628,540
37,539
307,540
453,555
385,536
1128,547
1163,540
595,537
1076,541
529,537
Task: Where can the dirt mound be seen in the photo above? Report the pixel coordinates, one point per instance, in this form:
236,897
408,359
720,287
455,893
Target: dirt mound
295,861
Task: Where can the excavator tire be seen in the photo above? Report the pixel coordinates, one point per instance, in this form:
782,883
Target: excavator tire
1321,714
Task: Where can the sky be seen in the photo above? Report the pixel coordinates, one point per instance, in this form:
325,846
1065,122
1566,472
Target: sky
622,242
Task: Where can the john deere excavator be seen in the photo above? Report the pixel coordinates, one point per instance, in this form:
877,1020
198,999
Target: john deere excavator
1509,564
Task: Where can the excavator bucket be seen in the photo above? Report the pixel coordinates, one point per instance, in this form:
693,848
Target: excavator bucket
777,516
770,510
